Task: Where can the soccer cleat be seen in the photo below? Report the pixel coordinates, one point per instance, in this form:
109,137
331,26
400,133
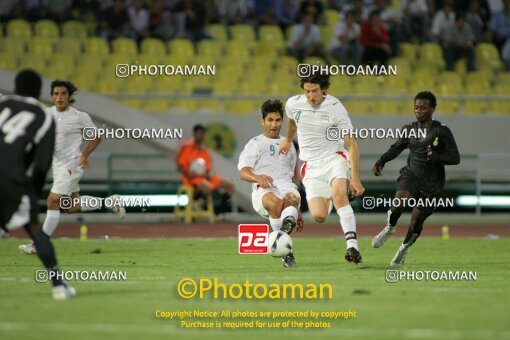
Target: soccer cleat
28,249
288,224
118,209
353,255
383,236
289,261
400,256
63,292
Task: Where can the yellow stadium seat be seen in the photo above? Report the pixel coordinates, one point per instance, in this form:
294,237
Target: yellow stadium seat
475,106
201,83
46,28
131,102
452,79
399,82
499,107
268,49
332,17
152,46
403,66
146,59
213,105
341,85
238,49
93,62
8,61
280,88
358,106
243,33
40,45
116,58
223,87
156,106
210,48
184,104
503,79
408,51
124,46
487,54
33,61
75,30
176,60
84,79
96,45
218,31
386,107
263,67
135,87
253,86
460,67
57,71
477,78
366,87
242,106
432,53
205,60
13,46
287,65
448,106
19,28
61,66
68,46
181,47
448,89
478,88
326,33
272,34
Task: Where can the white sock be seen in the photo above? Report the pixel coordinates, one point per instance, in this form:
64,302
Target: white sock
276,223
90,203
289,211
51,221
348,223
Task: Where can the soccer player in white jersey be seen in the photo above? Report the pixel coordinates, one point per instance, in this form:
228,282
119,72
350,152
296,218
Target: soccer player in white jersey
331,165
273,176
69,162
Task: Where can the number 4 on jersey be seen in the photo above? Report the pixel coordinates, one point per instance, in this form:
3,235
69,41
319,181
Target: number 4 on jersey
16,126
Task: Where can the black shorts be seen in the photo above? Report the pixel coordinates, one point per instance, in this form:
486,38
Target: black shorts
18,207
408,183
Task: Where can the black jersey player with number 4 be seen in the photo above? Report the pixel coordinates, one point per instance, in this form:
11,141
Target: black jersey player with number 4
423,177
27,139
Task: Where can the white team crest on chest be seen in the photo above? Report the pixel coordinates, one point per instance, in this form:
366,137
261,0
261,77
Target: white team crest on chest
325,119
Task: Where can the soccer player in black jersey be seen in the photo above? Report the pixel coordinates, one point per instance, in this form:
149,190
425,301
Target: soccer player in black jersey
423,177
27,139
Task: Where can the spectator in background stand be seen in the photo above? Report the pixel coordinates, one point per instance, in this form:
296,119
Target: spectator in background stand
58,10
264,12
196,16
32,10
443,19
392,19
286,13
500,25
313,8
474,20
415,19
6,8
167,29
139,19
305,39
115,23
346,41
376,40
232,12
360,11
505,55
156,15
458,42
193,150
338,4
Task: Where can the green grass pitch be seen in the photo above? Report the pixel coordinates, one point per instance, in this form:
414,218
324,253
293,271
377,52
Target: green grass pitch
126,310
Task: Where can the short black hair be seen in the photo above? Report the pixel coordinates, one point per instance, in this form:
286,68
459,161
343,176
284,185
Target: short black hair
199,127
271,105
71,89
428,96
317,78
28,83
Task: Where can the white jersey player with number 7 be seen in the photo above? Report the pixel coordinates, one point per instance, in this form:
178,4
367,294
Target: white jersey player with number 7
69,162
331,161
273,176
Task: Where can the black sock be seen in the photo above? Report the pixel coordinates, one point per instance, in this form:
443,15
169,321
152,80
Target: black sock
394,216
55,275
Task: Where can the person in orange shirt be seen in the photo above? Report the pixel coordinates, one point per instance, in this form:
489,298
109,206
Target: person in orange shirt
190,151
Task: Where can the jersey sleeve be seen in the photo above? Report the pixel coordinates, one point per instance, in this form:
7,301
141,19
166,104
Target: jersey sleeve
86,121
395,149
450,155
248,156
341,117
288,108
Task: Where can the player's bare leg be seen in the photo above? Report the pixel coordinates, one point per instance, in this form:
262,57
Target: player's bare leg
393,216
319,208
418,217
347,219
274,206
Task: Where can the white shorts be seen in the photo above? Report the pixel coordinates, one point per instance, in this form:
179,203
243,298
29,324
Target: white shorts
66,181
256,196
318,174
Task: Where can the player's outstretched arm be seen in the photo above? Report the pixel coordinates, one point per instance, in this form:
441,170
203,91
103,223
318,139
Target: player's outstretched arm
450,155
287,143
84,159
247,175
355,183
392,153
